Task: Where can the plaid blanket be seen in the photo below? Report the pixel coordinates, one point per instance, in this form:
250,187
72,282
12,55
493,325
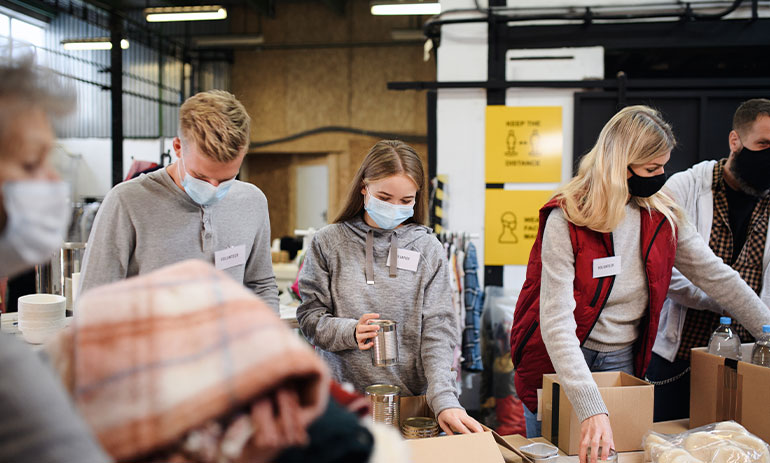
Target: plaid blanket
152,360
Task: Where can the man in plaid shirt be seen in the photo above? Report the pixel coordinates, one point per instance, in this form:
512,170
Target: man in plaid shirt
729,204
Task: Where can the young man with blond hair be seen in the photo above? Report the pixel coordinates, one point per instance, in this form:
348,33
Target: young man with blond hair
192,209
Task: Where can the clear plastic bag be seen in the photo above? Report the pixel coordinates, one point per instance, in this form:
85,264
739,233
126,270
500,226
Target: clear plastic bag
724,442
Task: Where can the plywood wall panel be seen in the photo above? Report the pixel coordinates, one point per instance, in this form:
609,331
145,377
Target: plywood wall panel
318,89
259,82
374,106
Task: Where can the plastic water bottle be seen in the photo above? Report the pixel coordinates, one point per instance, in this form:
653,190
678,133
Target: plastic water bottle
724,342
760,355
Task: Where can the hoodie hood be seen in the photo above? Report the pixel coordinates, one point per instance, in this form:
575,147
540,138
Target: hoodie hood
378,241
407,234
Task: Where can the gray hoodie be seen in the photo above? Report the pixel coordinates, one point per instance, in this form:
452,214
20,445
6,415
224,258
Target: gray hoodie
335,294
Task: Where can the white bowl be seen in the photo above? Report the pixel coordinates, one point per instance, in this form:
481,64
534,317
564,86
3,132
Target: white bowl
41,324
41,307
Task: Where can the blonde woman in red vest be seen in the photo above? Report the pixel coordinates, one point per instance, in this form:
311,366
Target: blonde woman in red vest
600,268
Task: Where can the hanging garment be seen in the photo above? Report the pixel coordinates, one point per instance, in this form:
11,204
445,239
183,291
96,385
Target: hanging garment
474,299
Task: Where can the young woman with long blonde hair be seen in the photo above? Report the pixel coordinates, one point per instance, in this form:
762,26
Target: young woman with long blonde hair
346,282
600,269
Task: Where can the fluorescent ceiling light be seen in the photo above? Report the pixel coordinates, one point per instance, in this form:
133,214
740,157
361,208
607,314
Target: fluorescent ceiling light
184,13
228,41
405,8
98,43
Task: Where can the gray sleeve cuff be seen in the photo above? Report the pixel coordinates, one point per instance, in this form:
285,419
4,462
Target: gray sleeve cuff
443,402
587,402
347,328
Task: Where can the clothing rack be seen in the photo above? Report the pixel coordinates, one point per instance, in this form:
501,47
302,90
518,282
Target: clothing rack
460,240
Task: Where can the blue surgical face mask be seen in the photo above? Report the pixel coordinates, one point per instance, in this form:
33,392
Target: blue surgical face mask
386,215
203,192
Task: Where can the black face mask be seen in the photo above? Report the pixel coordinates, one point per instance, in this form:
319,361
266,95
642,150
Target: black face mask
644,187
753,168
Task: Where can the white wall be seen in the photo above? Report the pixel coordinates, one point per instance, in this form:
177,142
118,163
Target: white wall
89,165
463,56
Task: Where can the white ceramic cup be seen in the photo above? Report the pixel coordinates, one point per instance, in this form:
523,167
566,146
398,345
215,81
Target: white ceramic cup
41,316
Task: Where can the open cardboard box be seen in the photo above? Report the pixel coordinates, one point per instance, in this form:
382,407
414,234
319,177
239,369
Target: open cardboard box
483,447
490,447
724,389
628,399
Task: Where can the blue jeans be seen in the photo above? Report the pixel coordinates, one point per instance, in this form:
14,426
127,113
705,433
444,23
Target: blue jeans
619,360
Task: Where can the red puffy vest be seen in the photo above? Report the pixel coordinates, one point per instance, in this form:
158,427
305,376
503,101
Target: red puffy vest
530,358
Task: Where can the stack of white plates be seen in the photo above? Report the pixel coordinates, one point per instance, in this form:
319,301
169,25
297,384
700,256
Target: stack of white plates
41,316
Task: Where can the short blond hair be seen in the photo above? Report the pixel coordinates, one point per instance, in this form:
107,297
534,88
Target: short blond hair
217,123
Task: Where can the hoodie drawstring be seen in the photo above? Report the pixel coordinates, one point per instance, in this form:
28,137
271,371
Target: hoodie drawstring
370,256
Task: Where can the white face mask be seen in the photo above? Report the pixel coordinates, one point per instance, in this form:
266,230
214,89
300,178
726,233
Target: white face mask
38,216
203,192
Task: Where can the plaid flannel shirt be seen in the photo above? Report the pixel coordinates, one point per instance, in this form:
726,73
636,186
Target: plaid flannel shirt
699,324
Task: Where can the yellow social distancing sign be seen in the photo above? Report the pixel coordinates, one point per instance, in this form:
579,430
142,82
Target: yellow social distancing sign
511,224
523,144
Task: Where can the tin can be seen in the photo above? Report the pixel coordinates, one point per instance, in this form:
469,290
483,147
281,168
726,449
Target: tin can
611,458
385,403
419,427
385,344
540,453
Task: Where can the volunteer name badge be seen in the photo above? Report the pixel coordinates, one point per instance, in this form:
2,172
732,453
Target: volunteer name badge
607,266
230,257
407,260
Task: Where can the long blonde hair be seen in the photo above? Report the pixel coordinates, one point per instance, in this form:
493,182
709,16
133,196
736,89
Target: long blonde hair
597,196
385,159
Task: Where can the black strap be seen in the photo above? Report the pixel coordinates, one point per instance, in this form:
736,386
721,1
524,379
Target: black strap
555,393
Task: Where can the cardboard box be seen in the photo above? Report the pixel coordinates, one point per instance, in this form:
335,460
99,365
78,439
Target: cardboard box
628,399
723,389
463,448
460,448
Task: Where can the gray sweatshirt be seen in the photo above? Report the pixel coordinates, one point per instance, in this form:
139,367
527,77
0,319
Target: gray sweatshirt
618,324
335,294
149,222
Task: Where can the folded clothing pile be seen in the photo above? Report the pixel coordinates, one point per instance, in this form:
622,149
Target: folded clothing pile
724,442
187,361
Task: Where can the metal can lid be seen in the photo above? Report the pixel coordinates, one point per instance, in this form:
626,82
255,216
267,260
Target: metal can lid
420,422
73,245
382,322
383,389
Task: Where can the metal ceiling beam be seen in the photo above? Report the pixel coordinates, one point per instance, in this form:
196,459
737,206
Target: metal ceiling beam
674,34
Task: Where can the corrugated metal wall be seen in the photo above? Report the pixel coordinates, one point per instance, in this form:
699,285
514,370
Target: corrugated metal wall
154,78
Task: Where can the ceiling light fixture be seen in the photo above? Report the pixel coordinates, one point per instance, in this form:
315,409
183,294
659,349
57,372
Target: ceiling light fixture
96,43
405,8
184,13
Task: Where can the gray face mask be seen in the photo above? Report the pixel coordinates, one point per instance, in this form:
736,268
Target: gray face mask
38,216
